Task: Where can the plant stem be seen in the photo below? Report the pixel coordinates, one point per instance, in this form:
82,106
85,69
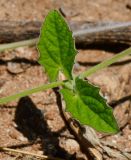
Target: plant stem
28,153
14,45
31,91
73,128
89,72
105,63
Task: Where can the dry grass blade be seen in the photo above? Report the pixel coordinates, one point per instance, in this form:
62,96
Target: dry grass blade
29,153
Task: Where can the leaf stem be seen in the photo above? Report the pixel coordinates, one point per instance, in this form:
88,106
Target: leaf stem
105,63
30,91
14,45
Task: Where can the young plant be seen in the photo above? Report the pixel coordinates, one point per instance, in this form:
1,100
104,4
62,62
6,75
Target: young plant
57,54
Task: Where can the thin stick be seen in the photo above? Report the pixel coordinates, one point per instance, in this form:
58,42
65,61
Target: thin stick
86,146
98,29
84,33
28,153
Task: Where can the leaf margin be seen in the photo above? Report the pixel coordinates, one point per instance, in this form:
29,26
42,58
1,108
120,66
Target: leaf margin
69,66
112,131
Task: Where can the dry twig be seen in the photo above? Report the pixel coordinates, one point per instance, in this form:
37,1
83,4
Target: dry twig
28,153
85,33
90,144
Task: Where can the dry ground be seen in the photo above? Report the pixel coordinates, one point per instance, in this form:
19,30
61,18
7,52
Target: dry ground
33,123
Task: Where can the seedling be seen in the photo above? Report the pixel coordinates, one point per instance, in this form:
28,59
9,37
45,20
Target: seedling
57,54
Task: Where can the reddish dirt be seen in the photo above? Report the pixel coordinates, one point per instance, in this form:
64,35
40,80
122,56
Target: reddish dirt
33,123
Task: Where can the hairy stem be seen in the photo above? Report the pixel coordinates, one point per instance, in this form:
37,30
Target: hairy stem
89,72
30,91
105,63
14,45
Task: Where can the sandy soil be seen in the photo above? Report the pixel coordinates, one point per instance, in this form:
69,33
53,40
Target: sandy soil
33,123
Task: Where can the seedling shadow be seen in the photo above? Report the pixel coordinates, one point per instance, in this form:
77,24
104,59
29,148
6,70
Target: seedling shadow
32,124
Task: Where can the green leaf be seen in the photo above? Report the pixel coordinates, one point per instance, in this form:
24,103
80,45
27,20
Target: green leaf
56,46
87,106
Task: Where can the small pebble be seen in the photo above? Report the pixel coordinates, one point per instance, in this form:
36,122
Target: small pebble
14,68
23,139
